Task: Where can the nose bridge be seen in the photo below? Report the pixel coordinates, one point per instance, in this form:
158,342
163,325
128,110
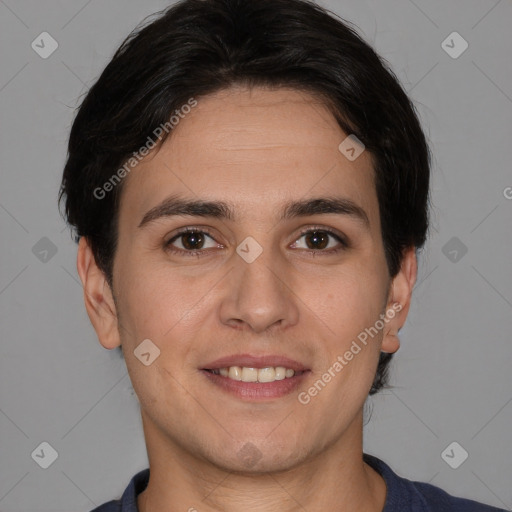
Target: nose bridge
259,296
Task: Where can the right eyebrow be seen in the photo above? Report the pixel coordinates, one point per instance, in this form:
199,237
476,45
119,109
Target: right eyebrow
176,206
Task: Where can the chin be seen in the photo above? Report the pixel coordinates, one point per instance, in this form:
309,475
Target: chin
256,457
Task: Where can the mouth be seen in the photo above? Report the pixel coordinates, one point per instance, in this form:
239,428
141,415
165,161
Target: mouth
256,377
248,374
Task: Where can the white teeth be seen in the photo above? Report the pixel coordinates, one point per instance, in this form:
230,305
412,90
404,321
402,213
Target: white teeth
280,372
235,373
266,375
247,374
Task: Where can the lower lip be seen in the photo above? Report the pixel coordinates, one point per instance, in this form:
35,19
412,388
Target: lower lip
257,390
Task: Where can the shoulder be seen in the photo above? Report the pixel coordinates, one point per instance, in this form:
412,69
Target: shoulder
439,500
128,501
404,494
111,506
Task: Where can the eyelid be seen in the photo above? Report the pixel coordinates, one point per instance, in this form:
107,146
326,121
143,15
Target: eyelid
191,229
188,229
341,238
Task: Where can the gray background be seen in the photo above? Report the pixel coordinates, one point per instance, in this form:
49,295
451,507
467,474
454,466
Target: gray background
452,374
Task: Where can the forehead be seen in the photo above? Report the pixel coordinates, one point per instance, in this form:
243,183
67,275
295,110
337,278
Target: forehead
252,147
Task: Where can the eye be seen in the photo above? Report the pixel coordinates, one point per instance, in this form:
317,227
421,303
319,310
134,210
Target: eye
191,240
322,240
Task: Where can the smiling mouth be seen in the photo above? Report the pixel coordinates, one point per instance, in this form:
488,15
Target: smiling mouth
249,374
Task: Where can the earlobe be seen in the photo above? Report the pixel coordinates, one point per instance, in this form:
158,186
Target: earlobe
98,298
390,343
399,300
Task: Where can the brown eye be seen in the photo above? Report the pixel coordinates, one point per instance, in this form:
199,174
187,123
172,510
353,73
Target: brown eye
192,241
320,240
317,240
189,241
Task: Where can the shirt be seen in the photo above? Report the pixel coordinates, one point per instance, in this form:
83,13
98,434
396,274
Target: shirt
402,495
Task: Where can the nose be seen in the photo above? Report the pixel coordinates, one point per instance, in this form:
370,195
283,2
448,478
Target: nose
259,296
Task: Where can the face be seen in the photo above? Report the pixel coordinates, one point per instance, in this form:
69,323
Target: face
282,266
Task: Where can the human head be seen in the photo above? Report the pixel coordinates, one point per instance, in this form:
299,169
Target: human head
199,47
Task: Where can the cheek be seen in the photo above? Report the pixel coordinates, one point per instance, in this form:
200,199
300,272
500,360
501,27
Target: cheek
348,300
167,306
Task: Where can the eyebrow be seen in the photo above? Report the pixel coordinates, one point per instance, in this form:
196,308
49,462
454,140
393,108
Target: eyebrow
174,206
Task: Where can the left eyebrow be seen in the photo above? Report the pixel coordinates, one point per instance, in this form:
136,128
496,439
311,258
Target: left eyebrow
326,205
174,206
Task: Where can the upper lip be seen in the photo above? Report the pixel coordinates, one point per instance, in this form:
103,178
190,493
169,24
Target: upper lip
250,361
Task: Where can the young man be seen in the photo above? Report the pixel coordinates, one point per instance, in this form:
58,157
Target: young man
249,185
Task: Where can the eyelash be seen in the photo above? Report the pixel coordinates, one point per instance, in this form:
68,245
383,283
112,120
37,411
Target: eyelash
198,252
203,252
339,238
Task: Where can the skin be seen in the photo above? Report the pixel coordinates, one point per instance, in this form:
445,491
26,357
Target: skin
255,149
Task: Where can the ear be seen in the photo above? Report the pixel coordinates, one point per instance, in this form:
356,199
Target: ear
399,300
99,301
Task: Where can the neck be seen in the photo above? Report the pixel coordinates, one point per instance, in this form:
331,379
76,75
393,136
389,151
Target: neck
335,478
